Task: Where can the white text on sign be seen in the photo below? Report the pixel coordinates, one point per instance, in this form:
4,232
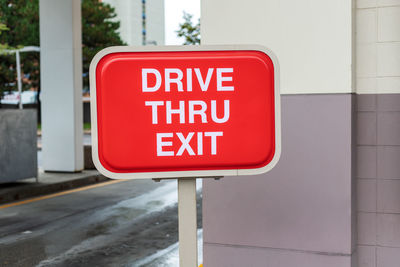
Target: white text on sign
175,76
205,112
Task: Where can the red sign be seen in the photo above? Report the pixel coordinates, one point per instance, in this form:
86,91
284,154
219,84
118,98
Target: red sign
184,111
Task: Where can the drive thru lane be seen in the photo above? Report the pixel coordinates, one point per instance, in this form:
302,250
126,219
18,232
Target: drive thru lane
111,225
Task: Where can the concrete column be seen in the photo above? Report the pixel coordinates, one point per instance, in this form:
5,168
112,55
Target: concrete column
61,83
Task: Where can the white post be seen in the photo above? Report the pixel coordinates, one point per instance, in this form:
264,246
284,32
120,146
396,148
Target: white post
19,82
187,212
61,83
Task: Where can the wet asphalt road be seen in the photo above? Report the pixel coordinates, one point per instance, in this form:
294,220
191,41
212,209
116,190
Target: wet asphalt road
113,225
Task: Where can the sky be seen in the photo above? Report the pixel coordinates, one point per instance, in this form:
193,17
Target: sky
174,16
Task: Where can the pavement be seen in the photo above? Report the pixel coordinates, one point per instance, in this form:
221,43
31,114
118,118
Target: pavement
47,183
52,182
116,223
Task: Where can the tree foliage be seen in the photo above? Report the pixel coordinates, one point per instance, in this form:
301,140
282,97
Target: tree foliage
22,19
3,46
98,31
187,30
3,27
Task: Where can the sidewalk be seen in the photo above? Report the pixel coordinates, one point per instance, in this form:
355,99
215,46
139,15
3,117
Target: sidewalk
48,183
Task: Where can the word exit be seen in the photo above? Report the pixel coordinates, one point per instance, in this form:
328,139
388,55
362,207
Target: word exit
164,143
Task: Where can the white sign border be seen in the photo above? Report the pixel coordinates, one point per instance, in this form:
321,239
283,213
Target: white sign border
182,174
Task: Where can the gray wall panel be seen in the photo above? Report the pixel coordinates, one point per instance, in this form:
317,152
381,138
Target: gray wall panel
305,202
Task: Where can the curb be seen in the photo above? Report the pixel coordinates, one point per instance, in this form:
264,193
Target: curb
39,132
38,189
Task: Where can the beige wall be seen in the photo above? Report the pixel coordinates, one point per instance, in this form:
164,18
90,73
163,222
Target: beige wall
378,46
378,171
300,214
314,41
311,38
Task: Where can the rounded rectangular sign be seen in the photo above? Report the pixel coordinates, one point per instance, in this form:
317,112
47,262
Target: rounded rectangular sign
187,111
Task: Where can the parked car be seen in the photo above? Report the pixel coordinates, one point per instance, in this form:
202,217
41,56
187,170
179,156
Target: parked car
12,98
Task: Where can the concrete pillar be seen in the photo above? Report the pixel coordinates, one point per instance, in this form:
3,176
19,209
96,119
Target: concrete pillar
61,83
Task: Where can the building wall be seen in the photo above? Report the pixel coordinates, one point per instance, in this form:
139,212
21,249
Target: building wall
155,21
129,13
378,142
378,179
378,46
303,212
298,214
312,39
334,197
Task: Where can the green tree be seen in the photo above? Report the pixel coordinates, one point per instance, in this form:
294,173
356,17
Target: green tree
3,27
22,17
3,46
98,31
187,30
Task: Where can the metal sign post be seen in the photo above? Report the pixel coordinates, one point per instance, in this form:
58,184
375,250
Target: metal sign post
187,214
18,61
19,81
